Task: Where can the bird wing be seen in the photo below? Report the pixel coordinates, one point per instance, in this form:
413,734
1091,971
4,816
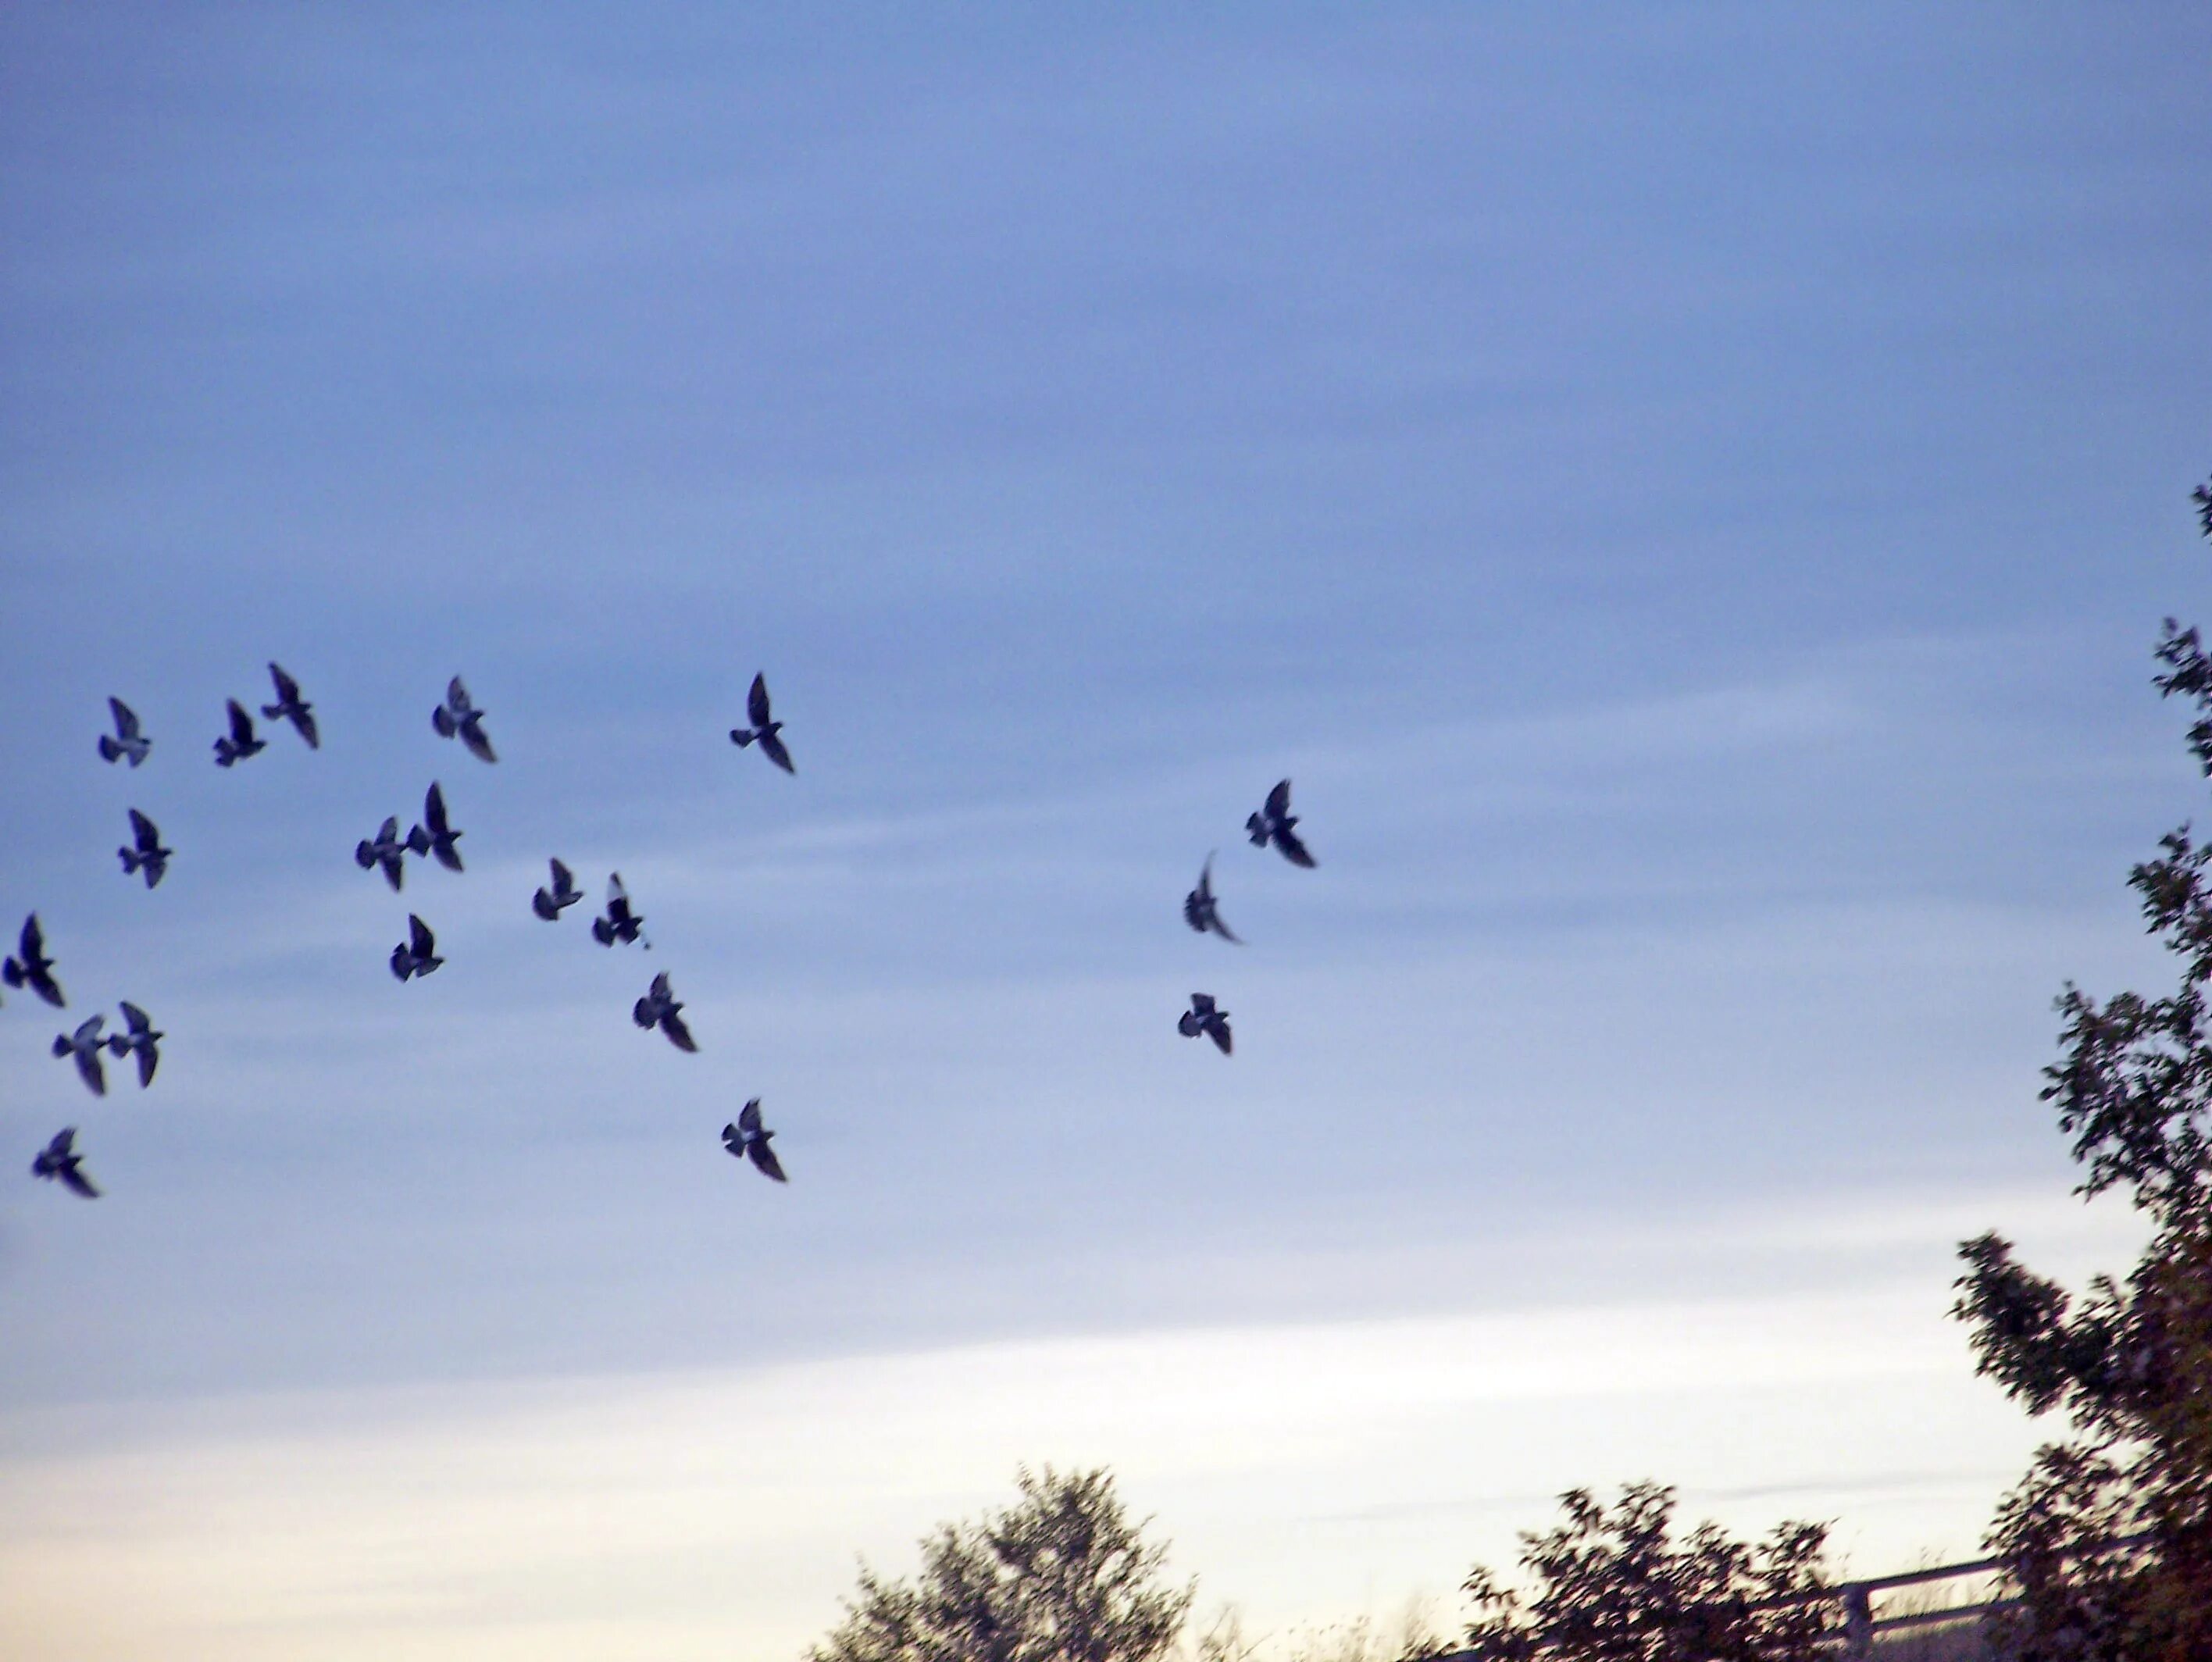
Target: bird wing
679,1035
616,893
136,1018
457,698
479,743
144,832
1194,910
434,810
149,1057
126,719
32,942
1206,877
749,1116
661,990
288,690
564,881
63,1141
764,1156
91,1069
771,745
1214,923
421,941
77,1181
1218,1030
241,725
304,719
1293,849
1279,800
756,701
1202,1002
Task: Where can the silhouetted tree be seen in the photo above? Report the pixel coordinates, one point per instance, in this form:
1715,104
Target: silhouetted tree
1612,1586
1060,1575
2130,1364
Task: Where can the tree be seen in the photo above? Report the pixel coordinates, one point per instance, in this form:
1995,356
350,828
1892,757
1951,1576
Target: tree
2128,1364
1613,1587
1060,1575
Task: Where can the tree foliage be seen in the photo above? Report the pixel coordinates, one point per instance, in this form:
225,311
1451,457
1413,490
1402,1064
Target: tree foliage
2128,1364
1612,1586
1061,1576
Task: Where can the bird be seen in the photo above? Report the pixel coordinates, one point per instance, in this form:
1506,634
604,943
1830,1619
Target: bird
388,849
460,715
621,923
239,742
84,1044
31,968
550,903
661,1008
142,1040
59,1159
435,835
1198,907
290,706
762,731
746,1140
128,740
1274,822
418,953
1204,1017
147,855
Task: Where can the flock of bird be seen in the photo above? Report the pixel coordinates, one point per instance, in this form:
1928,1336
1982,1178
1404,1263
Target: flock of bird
434,836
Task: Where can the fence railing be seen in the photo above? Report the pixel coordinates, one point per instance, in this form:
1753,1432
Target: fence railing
1863,1626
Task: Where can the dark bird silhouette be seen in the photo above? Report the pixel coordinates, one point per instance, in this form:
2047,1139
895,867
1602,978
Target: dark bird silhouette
549,903
239,742
1274,823
764,732
59,1159
388,849
621,923
661,1008
128,740
435,835
460,715
1198,907
418,953
84,1044
142,1040
1204,1017
31,968
148,855
290,706
747,1140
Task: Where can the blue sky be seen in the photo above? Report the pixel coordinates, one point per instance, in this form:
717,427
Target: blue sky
1687,495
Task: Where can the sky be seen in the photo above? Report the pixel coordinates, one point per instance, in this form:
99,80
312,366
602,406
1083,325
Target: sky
1686,493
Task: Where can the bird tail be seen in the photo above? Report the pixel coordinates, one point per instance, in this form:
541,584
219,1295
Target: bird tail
61,1045
603,932
418,841
109,749
12,972
225,752
742,736
442,719
363,855
132,859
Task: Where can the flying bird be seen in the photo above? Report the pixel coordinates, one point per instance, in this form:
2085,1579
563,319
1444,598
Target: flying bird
142,1040
59,1159
1204,1017
661,1008
239,743
762,731
388,849
1274,823
621,923
435,835
746,1140
290,706
549,903
418,953
84,1044
148,855
31,968
128,740
460,715
1198,907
